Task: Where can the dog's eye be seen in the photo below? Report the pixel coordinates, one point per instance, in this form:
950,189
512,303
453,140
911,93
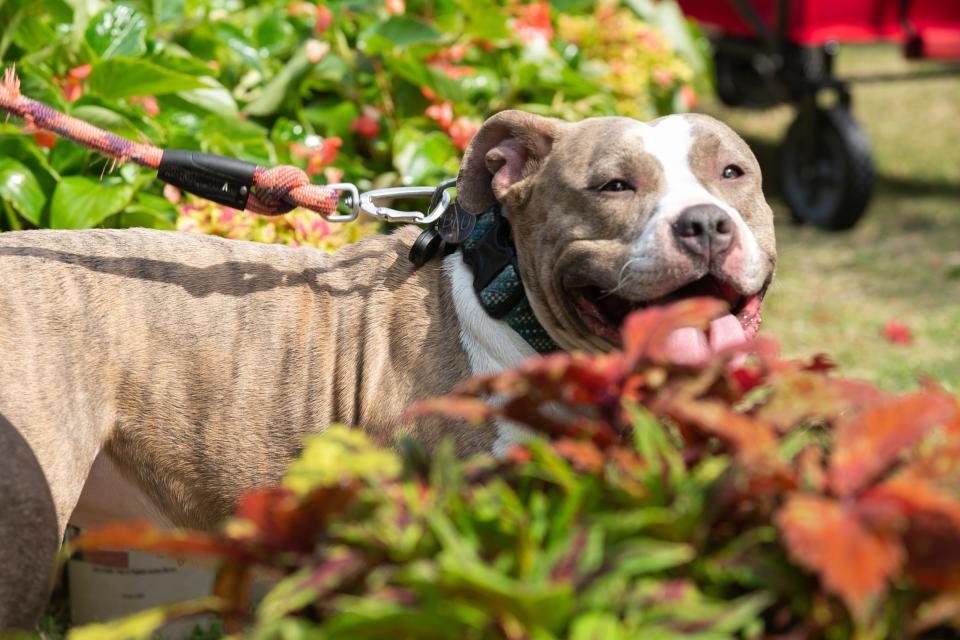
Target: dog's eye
615,185
732,171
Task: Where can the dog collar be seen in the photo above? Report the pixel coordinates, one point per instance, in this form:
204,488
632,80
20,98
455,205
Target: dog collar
490,254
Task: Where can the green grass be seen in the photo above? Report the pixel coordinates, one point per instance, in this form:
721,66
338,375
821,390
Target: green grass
834,292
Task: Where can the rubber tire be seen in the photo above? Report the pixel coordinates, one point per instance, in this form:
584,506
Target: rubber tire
833,192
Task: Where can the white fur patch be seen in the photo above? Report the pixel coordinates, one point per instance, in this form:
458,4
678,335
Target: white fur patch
670,142
491,345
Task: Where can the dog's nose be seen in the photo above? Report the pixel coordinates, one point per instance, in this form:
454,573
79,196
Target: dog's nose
704,229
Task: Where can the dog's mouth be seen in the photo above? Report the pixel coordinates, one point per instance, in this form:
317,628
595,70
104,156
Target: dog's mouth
603,313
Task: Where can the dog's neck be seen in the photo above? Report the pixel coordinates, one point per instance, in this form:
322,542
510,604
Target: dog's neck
492,257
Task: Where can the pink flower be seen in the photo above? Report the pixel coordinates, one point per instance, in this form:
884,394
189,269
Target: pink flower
171,193
663,77
395,7
367,124
324,19
897,332
688,97
298,151
533,22
429,94
149,104
301,9
333,175
442,113
316,50
462,130
82,72
451,70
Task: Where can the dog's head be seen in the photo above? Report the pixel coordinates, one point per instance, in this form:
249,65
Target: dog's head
611,214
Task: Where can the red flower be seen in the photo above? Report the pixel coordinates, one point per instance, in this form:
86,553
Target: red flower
395,7
533,22
45,139
897,332
318,158
442,113
324,19
462,130
72,84
429,94
367,123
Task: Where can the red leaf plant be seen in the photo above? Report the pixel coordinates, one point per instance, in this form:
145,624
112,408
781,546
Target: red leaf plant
885,504
804,502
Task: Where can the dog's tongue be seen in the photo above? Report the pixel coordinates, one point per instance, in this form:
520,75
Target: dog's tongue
692,346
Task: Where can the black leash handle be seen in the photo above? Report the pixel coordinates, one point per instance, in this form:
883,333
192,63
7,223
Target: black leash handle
223,180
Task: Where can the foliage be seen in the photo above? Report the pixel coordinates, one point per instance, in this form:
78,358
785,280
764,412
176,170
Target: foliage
381,93
748,497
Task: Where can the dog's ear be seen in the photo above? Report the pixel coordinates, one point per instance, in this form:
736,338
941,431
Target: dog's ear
502,157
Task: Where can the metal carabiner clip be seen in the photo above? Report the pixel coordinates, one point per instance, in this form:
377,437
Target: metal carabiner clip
352,200
369,204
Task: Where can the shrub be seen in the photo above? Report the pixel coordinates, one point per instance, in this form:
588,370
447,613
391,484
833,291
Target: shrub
380,93
763,498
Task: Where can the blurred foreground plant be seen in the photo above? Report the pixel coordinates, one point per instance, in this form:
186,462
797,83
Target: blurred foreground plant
765,499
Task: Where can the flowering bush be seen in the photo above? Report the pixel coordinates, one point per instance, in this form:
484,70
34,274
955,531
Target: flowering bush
734,499
378,93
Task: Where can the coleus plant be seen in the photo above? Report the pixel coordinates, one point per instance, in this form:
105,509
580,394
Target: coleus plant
743,497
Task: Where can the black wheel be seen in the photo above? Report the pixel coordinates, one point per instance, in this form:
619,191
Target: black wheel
826,169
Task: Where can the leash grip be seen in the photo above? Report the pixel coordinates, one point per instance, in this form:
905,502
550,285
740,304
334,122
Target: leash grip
226,181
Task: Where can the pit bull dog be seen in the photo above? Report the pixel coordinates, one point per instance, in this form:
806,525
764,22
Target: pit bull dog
158,374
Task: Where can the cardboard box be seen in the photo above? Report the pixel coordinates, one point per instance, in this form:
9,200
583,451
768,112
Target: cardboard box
114,583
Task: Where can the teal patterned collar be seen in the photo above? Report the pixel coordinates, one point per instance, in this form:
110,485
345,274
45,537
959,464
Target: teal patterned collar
490,254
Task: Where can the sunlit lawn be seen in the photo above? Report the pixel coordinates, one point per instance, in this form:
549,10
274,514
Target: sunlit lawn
834,292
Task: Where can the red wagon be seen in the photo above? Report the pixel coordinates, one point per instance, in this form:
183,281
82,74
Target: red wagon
768,52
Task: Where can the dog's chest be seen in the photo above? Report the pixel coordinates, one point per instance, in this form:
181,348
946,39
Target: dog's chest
491,345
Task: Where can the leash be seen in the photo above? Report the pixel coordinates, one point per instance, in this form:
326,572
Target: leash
234,183
486,245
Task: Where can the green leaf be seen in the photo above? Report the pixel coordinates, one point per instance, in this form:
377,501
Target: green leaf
485,19
401,31
276,90
125,77
218,101
597,625
424,159
143,624
119,30
26,151
20,188
81,203
167,10
150,211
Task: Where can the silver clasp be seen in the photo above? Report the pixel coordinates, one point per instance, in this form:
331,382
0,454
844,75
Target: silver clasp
369,204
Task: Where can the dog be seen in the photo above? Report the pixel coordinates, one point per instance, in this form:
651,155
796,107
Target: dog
160,374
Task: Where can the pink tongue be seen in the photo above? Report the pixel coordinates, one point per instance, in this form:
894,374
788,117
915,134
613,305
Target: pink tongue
691,346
